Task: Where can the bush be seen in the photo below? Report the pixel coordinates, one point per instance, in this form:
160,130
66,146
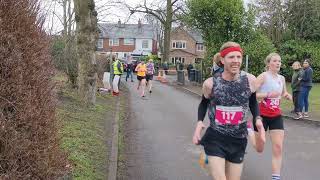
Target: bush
64,57
298,50
29,146
257,50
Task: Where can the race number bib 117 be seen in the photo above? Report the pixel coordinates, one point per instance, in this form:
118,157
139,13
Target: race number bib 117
228,115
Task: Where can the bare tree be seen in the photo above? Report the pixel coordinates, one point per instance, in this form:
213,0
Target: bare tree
166,15
86,37
272,18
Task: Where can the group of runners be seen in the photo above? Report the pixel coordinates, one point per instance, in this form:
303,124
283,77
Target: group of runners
145,72
228,96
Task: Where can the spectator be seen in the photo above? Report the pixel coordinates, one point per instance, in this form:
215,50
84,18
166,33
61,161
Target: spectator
181,66
165,67
190,66
305,87
129,68
295,85
117,71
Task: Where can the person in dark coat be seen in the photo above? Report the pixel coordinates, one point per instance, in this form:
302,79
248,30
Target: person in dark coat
305,87
295,85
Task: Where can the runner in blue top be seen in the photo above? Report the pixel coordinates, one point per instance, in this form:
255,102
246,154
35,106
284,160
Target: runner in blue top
229,94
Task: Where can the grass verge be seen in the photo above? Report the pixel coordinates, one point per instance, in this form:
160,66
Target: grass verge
124,116
85,132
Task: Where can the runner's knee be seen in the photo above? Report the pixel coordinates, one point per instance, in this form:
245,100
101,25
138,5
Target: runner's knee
277,149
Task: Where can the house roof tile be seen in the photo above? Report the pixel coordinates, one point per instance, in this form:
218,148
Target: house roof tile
126,31
194,33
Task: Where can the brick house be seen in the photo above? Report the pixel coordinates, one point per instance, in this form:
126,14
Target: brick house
126,39
186,46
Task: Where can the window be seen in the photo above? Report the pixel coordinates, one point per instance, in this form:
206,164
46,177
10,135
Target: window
197,60
179,45
128,42
145,44
200,47
100,43
175,60
113,42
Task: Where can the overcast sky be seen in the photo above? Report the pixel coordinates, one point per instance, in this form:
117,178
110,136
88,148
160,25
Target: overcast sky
53,12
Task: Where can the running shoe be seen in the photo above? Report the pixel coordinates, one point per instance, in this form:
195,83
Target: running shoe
204,162
298,116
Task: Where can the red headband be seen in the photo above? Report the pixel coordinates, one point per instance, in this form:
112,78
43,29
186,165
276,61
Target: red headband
225,51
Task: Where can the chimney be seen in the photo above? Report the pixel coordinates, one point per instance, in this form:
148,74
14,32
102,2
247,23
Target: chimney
119,23
139,23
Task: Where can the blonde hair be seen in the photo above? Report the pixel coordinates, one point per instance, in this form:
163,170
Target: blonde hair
296,63
268,59
217,59
229,44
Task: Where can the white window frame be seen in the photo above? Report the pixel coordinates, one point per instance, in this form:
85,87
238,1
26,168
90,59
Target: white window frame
200,47
175,44
128,41
113,42
142,44
100,43
175,59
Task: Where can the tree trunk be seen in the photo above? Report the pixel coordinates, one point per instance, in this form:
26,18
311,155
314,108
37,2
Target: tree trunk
72,67
167,31
68,53
86,36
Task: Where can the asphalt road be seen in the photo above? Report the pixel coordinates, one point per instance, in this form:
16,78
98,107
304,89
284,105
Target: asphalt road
159,141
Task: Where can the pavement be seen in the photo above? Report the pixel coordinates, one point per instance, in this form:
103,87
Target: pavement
158,138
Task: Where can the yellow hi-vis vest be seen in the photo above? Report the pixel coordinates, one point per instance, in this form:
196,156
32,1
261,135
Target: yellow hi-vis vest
116,70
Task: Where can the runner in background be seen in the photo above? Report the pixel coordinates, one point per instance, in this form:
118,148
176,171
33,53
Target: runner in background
141,76
149,74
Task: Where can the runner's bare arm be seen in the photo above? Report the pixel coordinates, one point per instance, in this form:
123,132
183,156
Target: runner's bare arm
253,103
207,87
258,84
285,93
252,82
206,90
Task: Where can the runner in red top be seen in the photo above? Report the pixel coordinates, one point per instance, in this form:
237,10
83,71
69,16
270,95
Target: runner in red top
271,86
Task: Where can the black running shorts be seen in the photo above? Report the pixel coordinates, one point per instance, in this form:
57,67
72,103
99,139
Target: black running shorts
149,77
271,123
227,147
140,77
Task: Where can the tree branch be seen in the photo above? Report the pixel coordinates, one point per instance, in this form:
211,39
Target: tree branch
173,2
